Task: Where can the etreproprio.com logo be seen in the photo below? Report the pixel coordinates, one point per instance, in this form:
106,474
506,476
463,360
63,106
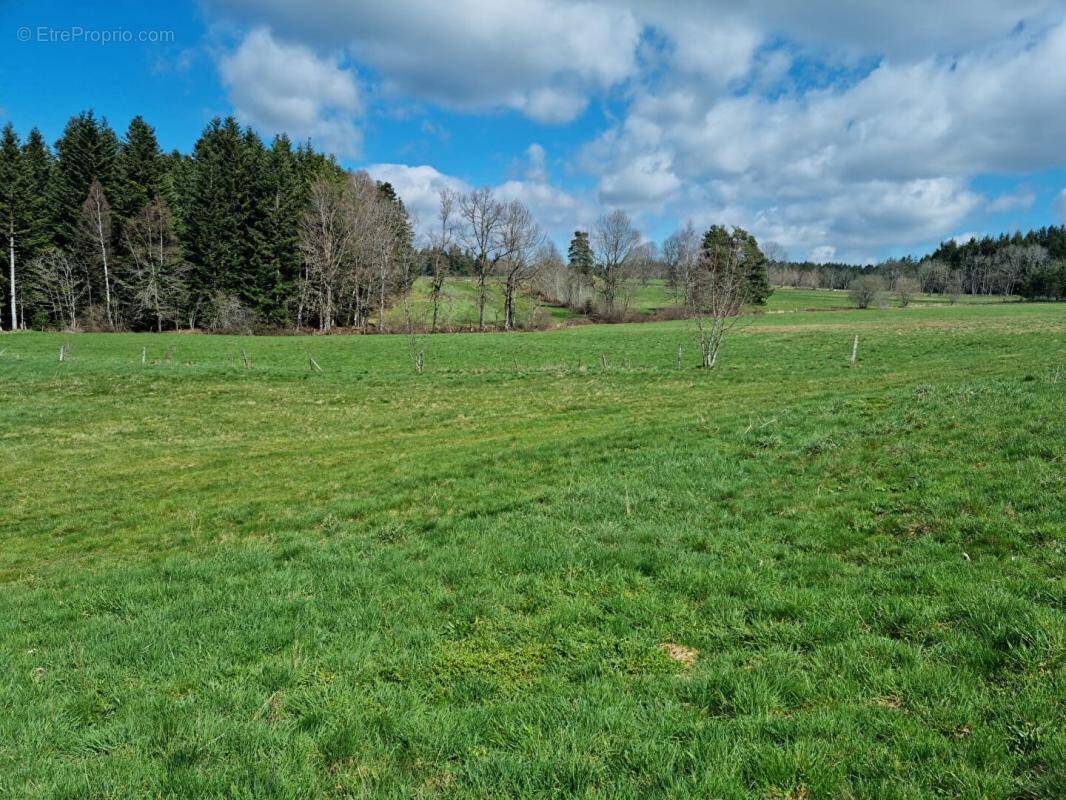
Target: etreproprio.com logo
76,34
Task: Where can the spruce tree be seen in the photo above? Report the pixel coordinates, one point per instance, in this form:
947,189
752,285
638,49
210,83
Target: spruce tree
40,166
213,214
285,201
141,170
754,263
254,282
86,152
580,253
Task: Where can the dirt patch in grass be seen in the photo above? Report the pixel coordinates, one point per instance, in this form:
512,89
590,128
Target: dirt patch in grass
686,656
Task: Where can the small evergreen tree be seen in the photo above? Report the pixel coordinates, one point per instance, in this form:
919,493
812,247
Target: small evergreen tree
756,281
580,253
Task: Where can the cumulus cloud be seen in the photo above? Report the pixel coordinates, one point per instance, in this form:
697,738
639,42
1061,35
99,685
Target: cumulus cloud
536,163
419,187
280,87
1059,206
543,58
885,159
557,210
1022,200
827,124
642,180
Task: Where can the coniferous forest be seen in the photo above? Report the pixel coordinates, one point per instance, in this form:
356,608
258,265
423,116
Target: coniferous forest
106,231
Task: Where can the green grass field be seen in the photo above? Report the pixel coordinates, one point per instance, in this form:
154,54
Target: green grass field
458,307
459,303
523,574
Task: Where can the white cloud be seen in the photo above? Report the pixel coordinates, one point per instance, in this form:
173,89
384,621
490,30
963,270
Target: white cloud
827,124
543,58
885,160
1021,199
643,180
280,87
1059,206
823,254
419,187
557,210
536,166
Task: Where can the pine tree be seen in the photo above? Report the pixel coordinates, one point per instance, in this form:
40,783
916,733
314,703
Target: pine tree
285,201
212,214
140,170
40,167
14,211
580,253
754,262
254,282
86,152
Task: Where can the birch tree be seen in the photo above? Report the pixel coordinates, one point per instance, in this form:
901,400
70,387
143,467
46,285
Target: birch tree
156,280
96,228
326,242
56,283
13,206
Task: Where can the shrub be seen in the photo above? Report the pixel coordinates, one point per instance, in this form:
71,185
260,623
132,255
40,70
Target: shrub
906,288
227,314
539,320
867,290
94,319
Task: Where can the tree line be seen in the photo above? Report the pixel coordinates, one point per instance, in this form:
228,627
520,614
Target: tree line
1030,265
109,232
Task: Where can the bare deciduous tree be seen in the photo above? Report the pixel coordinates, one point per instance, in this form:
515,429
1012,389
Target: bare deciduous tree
355,252
325,236
156,279
484,220
776,254
96,228
614,239
440,241
54,280
1014,262
520,236
867,290
681,254
906,288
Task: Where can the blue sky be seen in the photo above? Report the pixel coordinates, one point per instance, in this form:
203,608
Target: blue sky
839,130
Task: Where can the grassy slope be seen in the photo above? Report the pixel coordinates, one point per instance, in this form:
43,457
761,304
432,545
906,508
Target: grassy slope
279,583
459,303
458,306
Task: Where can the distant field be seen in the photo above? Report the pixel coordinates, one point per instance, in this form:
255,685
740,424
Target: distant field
523,574
459,303
458,307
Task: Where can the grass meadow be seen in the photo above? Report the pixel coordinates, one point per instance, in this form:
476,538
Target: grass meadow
524,573
458,308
